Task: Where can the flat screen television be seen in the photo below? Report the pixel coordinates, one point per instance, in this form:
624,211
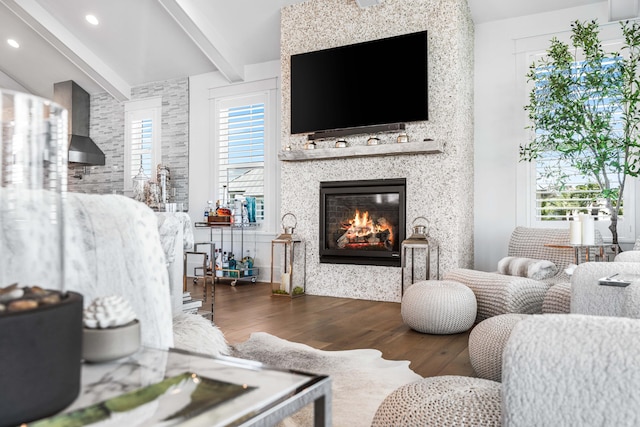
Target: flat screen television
378,82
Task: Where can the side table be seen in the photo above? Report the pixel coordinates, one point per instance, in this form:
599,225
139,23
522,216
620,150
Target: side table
583,251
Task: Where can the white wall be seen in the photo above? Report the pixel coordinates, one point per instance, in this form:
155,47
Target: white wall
200,165
500,120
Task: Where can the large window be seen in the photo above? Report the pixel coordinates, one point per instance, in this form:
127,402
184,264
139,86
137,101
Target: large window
244,121
240,147
143,132
554,201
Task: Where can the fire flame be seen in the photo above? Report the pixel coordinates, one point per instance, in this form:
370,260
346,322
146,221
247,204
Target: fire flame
362,225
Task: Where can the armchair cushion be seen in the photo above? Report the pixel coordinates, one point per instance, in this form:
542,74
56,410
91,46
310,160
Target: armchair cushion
537,269
589,297
498,294
566,369
628,256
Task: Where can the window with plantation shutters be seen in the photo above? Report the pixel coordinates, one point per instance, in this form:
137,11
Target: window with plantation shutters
553,202
241,149
557,201
142,139
244,131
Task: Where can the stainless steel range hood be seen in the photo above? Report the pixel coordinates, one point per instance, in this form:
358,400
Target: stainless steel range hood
82,150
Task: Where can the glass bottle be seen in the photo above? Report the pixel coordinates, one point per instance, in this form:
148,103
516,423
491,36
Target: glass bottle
218,263
225,264
232,266
248,263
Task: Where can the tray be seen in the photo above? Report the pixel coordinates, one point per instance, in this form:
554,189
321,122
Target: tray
218,218
167,403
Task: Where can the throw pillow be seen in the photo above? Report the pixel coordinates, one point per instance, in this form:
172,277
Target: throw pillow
537,269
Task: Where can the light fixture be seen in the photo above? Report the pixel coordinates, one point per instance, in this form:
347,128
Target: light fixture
13,43
91,19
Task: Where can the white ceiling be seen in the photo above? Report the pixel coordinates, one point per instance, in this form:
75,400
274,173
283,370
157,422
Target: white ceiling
493,10
143,41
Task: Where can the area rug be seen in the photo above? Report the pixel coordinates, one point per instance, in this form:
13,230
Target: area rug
361,379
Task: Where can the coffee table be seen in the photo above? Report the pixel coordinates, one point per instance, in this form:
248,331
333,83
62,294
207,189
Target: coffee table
277,394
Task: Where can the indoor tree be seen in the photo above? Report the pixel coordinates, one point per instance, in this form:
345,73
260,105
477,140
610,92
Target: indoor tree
584,106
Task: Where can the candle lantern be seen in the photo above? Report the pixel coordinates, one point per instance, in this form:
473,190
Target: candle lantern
293,257
413,248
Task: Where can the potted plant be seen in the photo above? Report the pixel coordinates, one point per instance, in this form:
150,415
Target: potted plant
585,106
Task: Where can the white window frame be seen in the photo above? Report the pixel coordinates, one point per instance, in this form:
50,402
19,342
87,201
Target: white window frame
626,226
267,89
149,108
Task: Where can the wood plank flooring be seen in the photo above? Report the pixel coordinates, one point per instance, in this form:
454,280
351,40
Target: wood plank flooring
335,324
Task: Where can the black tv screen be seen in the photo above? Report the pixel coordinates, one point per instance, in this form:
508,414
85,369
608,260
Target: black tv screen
378,82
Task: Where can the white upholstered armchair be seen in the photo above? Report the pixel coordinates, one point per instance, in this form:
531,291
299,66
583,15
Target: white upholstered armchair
586,296
501,293
113,246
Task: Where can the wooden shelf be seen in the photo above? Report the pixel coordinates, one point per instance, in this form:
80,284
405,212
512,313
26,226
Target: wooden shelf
406,148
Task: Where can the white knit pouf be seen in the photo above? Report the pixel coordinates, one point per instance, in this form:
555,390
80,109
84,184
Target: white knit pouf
439,307
441,401
487,341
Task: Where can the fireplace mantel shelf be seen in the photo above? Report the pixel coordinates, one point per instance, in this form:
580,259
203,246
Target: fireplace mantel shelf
418,147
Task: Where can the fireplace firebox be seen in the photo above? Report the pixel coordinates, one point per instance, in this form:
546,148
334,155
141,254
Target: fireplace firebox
362,222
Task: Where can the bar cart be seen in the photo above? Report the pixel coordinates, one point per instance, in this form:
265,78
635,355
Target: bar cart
238,274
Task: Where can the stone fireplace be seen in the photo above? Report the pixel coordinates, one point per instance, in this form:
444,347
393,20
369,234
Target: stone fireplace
438,182
362,222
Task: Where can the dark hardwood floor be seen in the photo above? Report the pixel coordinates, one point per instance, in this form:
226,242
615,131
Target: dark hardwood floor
335,324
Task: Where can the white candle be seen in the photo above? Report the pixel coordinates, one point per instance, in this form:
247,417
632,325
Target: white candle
575,232
285,282
588,229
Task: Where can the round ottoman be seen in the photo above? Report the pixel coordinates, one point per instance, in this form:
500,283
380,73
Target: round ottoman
442,401
439,307
487,341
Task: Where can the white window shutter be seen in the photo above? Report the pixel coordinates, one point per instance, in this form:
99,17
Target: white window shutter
241,149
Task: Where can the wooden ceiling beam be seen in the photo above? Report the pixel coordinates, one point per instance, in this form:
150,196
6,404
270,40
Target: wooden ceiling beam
208,40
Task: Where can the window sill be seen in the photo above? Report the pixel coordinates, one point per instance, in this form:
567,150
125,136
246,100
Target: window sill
407,148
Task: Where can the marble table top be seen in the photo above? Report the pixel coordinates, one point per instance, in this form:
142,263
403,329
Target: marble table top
102,381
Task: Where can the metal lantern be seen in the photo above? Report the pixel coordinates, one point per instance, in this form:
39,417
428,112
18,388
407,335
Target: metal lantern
418,241
293,276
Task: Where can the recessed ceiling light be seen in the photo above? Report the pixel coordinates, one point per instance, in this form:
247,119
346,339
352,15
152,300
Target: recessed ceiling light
13,43
91,19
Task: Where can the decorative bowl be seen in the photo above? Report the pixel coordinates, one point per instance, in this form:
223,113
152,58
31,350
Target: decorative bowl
103,345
